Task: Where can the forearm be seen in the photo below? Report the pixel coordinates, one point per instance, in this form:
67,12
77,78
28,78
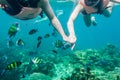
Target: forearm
70,26
55,22
72,18
53,19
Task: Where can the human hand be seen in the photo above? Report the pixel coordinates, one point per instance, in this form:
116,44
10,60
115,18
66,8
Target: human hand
71,39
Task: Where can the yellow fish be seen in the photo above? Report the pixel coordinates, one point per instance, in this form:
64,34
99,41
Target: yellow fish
13,65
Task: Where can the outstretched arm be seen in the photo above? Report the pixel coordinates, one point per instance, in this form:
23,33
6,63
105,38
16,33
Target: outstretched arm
116,1
71,20
55,22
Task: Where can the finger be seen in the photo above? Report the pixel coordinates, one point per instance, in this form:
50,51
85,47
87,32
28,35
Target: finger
72,47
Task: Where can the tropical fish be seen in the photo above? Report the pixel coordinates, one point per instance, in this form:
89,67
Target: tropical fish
13,65
46,36
20,42
39,38
54,34
54,51
59,44
14,28
38,44
62,45
36,60
32,31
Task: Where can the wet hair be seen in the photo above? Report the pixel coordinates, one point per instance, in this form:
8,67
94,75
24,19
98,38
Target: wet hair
90,2
29,3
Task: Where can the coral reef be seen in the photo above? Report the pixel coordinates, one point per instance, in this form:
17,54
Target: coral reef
88,64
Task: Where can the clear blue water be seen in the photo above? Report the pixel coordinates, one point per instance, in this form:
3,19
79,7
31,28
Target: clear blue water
107,30
95,37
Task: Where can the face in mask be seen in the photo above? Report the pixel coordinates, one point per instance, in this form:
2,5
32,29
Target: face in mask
91,2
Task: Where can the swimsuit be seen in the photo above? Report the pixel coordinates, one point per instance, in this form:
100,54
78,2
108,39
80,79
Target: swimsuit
17,5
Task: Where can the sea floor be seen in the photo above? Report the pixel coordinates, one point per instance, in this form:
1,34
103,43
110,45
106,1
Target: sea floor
88,64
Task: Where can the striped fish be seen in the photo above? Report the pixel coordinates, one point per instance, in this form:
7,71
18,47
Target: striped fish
13,65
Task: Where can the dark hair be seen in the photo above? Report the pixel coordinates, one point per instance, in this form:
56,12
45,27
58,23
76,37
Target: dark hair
90,2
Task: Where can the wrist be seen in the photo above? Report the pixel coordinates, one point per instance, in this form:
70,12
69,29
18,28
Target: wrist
72,35
64,38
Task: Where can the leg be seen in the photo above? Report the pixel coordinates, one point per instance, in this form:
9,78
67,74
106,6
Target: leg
87,20
108,11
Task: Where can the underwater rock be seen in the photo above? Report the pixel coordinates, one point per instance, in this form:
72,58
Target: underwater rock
37,76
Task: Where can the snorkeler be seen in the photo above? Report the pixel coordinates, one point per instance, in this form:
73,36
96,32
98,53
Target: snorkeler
86,8
29,9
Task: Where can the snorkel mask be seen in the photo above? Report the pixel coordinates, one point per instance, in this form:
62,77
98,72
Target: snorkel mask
91,2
